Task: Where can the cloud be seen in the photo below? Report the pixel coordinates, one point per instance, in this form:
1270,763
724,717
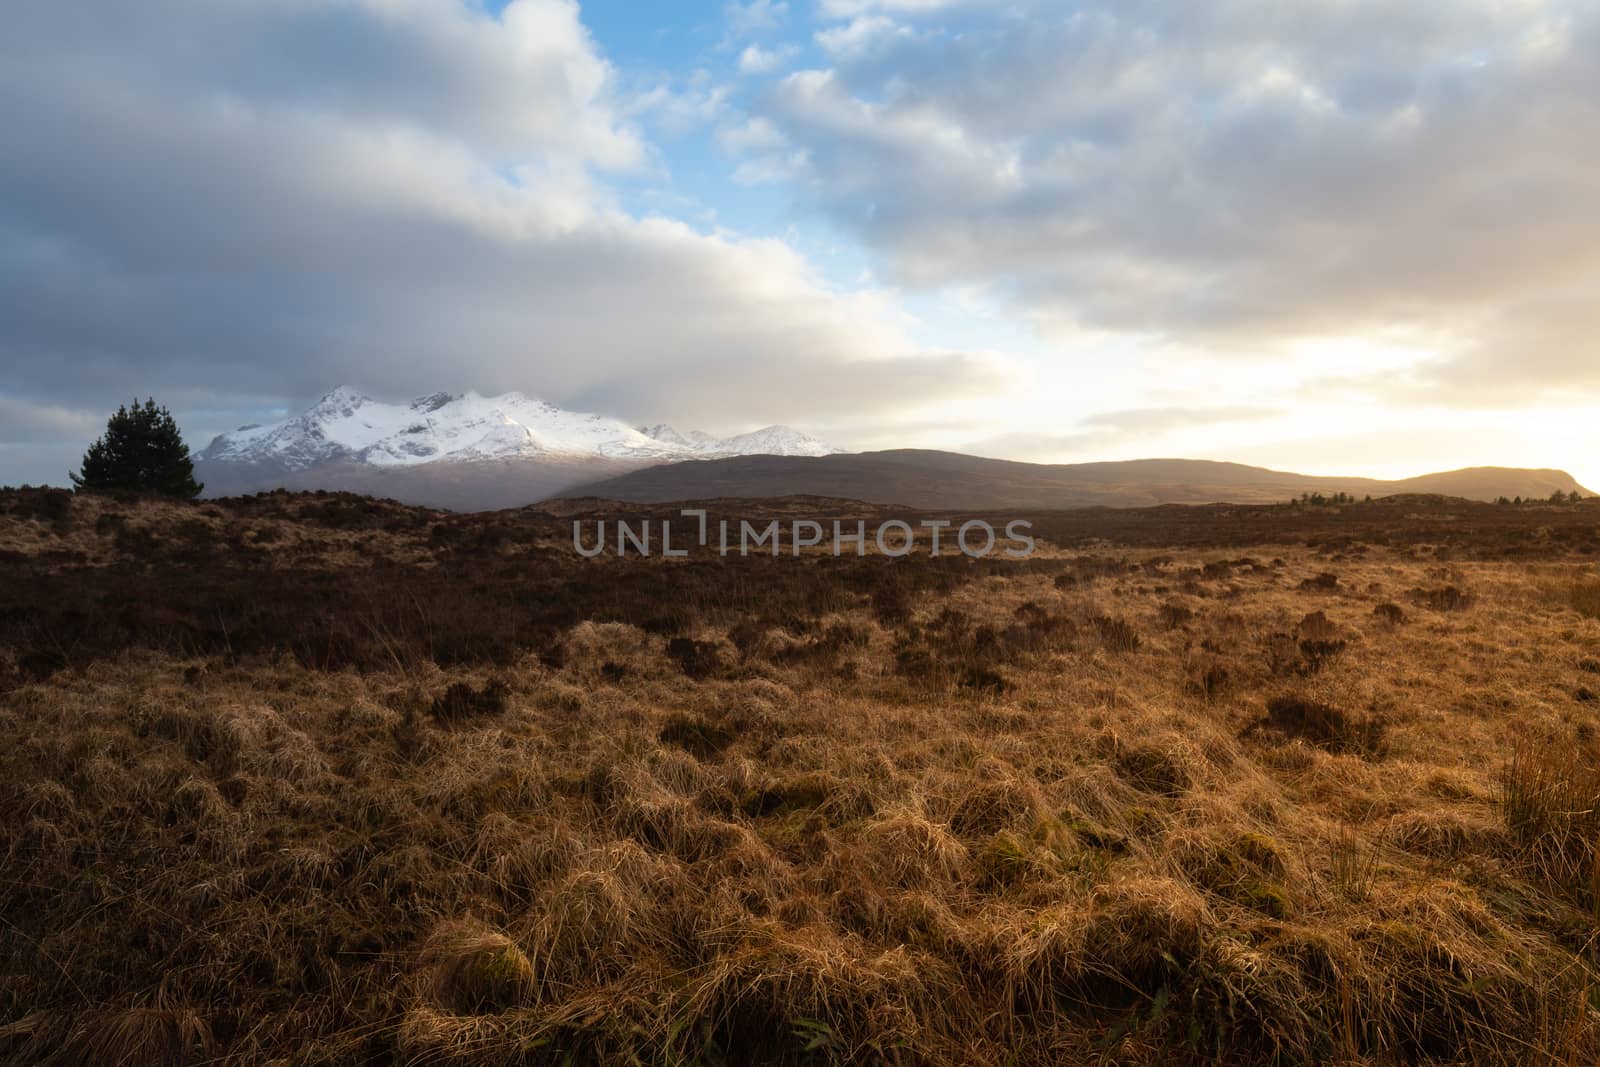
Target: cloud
679,109
860,37
1237,176
257,200
757,60
22,422
1145,420
854,8
755,17
1112,432
765,155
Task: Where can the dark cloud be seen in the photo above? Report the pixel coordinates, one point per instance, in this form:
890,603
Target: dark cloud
235,206
243,204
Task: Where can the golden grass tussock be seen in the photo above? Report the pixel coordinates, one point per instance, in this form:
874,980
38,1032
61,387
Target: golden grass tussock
348,782
159,1037
905,849
474,971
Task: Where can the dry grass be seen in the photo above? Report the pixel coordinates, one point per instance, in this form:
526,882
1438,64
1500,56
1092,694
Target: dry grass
471,802
1582,596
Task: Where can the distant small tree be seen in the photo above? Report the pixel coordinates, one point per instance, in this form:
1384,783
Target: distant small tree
1558,497
1574,497
1517,501
1503,500
142,450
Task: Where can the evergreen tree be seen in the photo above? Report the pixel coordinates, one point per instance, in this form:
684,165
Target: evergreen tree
142,450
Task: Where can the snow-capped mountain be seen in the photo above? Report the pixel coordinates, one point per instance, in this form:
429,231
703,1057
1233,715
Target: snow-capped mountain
771,441
347,425
460,449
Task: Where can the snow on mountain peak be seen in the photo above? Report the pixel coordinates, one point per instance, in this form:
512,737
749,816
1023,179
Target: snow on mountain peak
434,401
349,427
666,434
776,441
769,441
342,399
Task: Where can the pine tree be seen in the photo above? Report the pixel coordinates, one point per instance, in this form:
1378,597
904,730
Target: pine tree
143,451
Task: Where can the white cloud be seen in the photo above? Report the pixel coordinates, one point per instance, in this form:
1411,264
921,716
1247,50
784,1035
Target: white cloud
1239,176
679,110
755,17
752,135
757,60
860,37
853,8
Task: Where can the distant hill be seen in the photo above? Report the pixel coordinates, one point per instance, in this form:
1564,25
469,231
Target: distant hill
919,478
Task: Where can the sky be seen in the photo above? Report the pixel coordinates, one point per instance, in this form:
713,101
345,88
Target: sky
1331,236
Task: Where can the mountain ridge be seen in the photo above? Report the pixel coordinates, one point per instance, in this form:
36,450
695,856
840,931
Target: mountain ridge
924,478
468,452
459,450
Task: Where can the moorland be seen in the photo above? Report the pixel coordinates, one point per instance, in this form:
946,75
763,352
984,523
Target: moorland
320,779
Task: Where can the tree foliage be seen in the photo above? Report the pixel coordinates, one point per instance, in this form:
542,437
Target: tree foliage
142,451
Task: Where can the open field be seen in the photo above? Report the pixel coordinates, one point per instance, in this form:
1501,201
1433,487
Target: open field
313,779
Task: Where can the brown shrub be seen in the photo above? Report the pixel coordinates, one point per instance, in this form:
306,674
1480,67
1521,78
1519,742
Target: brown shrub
1163,771
1444,598
983,680
1175,616
1210,682
1314,626
1391,614
1323,725
697,659
696,736
461,702
1117,635
1318,654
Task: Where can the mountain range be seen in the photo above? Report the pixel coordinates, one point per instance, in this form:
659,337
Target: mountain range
468,452
923,479
459,450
